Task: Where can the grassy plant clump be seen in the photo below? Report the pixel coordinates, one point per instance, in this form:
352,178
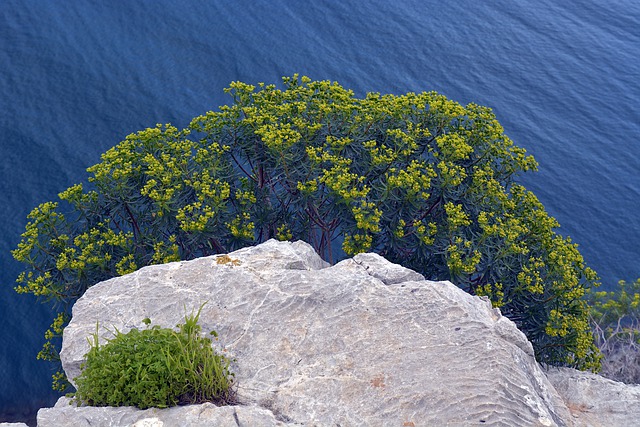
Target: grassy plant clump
422,180
615,321
155,367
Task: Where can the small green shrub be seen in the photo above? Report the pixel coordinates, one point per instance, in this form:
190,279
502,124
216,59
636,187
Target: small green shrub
615,321
155,367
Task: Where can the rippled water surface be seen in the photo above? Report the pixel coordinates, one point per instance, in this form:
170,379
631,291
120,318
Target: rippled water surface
75,78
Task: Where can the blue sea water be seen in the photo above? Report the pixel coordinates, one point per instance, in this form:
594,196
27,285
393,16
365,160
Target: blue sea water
77,77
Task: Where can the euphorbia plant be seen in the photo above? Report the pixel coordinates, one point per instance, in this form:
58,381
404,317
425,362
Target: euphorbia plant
418,178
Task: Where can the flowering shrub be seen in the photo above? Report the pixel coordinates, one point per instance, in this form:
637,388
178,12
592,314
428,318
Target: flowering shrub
422,180
615,321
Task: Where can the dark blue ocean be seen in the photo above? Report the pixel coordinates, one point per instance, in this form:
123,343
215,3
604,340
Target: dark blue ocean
76,77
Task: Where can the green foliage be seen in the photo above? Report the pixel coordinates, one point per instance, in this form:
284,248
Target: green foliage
156,367
420,179
615,320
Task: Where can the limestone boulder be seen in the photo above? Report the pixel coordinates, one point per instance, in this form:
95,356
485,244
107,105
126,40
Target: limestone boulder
596,401
363,342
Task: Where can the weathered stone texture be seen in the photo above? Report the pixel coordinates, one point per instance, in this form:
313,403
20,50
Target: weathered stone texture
596,401
205,415
363,342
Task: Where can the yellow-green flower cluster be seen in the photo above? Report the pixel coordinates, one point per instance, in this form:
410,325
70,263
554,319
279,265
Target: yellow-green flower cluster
72,193
485,187
530,276
195,216
284,233
208,188
320,155
619,301
415,179
242,227
399,231
425,233
405,141
559,323
356,243
93,249
509,228
308,187
60,382
442,107
615,315
456,216
211,194
56,328
126,265
123,161
337,144
452,174
453,147
494,292
38,285
367,216
344,184
210,154
164,181
44,215
164,252
462,257
380,155
278,137
245,197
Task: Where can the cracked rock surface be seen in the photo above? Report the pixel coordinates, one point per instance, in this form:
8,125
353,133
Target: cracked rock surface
363,342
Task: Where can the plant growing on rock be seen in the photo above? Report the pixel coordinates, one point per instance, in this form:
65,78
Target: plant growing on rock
418,178
156,367
615,321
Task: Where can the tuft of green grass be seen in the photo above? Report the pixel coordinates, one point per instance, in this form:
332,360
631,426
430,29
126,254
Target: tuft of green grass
155,367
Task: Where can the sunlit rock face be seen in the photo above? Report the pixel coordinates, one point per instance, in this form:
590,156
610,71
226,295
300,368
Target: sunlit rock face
362,342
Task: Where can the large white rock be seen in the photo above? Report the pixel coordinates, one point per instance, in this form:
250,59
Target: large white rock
363,342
